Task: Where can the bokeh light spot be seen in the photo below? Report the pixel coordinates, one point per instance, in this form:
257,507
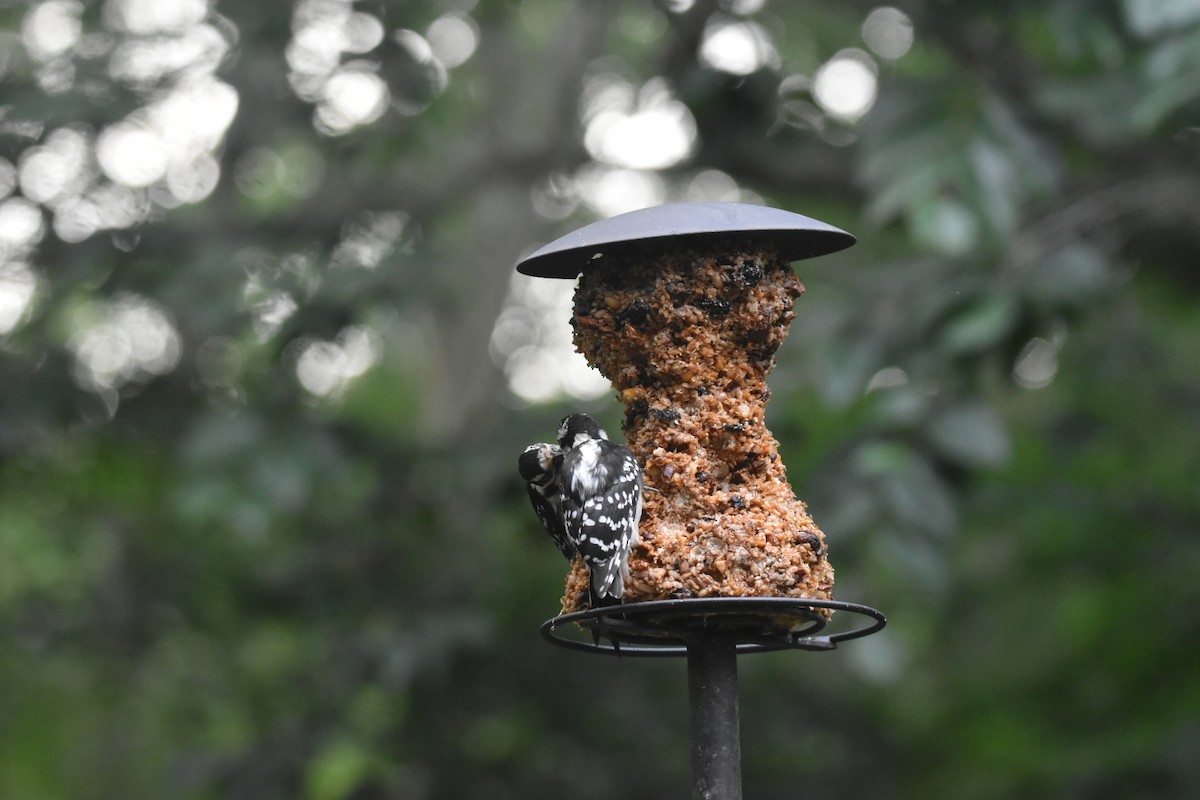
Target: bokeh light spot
144,62
1037,364
258,173
845,86
367,240
609,191
326,368
58,168
147,17
738,47
888,32
192,181
352,97
21,226
127,339
52,28
452,39
713,185
361,33
131,154
18,284
637,129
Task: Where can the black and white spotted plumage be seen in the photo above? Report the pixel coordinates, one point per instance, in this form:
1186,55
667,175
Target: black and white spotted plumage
539,465
601,487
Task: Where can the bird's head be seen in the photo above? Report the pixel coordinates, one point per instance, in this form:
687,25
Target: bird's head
578,428
538,460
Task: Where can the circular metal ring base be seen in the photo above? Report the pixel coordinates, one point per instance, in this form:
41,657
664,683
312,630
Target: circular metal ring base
666,627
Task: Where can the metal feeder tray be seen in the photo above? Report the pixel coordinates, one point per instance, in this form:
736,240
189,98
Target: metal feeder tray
667,627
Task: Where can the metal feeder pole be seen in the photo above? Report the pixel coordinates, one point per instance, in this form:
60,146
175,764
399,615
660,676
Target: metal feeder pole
716,732
712,632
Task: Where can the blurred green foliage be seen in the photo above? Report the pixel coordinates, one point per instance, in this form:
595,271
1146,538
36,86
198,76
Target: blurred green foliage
283,552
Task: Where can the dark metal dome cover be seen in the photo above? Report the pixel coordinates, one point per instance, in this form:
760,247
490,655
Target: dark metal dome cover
796,236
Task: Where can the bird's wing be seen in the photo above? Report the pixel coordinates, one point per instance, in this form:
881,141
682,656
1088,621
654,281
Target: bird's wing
549,512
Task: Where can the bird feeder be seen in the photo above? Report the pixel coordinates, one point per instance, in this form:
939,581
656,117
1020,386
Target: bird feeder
682,307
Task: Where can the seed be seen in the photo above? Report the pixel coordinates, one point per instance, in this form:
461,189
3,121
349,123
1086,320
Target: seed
749,273
715,308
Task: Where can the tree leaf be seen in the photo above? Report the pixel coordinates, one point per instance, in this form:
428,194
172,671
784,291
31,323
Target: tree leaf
971,435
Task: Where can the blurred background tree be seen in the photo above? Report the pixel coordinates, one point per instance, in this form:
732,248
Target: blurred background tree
265,370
